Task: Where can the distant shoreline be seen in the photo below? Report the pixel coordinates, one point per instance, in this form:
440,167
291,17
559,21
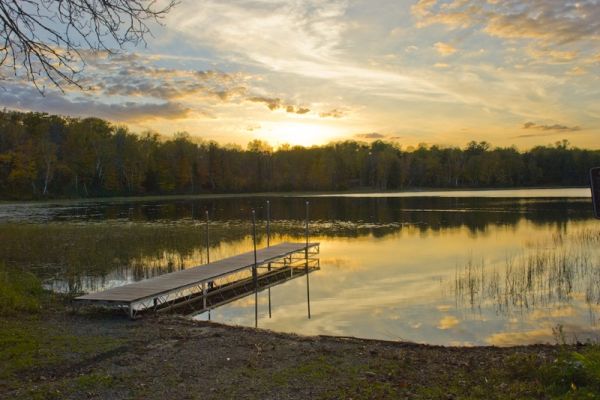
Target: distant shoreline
345,193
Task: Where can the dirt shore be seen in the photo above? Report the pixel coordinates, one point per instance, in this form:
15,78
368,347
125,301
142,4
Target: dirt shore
102,356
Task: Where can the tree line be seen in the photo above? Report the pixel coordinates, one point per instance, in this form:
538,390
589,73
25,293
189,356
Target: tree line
44,156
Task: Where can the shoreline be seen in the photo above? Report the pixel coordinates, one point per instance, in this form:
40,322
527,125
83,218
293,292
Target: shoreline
171,356
346,193
100,355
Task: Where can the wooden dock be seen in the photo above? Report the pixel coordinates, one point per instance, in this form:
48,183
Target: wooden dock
198,283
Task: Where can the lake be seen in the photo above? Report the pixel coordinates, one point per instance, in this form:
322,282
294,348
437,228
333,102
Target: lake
454,268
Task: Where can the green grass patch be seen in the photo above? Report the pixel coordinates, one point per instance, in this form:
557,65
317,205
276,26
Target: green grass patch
20,291
574,374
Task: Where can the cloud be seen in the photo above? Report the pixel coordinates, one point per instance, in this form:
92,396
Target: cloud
373,136
377,136
297,110
131,81
276,104
546,130
307,39
553,56
549,21
423,8
444,49
576,71
334,113
272,103
27,98
134,75
430,12
555,127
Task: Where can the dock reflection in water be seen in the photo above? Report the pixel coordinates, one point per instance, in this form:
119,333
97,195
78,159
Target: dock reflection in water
242,291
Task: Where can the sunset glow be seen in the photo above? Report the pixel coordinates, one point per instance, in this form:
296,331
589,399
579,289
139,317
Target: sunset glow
309,72
294,133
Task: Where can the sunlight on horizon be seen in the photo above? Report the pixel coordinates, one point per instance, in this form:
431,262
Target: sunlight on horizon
297,134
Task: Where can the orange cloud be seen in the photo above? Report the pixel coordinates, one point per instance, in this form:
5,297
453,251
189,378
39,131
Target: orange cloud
444,49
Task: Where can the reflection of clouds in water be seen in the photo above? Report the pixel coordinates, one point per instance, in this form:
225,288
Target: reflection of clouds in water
390,289
559,312
545,332
448,322
330,265
248,301
542,335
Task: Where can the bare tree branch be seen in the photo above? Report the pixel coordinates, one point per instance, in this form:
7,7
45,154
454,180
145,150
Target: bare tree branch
46,40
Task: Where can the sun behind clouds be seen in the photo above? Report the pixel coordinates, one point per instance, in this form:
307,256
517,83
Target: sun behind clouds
298,133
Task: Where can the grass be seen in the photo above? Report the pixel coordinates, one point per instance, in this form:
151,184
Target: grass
31,340
573,374
20,291
523,375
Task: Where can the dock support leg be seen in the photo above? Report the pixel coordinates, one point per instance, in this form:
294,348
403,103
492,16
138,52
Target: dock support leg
306,262
204,295
307,284
130,311
207,239
255,297
308,293
255,271
269,268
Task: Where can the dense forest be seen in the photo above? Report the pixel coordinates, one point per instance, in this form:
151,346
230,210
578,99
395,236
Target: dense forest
45,155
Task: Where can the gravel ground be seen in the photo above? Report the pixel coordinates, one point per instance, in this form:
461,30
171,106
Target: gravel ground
102,356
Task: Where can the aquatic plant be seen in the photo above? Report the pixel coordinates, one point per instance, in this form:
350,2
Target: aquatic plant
549,272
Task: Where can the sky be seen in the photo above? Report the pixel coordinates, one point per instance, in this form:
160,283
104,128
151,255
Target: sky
443,72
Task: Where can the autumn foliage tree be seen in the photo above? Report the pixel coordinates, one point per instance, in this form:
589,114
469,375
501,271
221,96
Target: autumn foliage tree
50,156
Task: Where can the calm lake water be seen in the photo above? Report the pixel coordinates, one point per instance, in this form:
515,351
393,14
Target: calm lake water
469,267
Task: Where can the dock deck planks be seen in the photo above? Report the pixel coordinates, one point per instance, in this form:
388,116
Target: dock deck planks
179,280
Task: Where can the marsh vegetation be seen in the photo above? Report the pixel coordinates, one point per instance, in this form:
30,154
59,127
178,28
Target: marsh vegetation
551,272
